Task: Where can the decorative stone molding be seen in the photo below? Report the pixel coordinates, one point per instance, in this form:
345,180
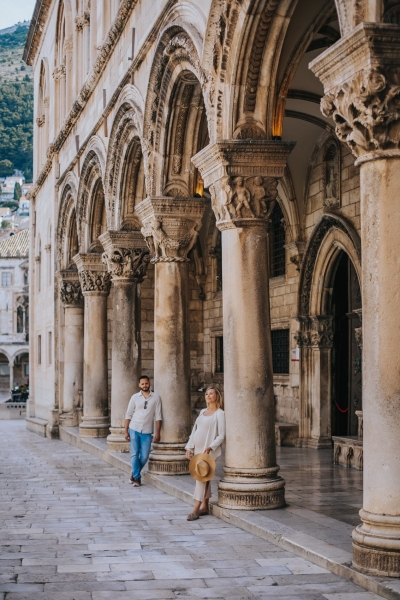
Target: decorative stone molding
242,176
170,226
93,276
361,75
40,121
296,253
358,330
59,72
47,247
126,255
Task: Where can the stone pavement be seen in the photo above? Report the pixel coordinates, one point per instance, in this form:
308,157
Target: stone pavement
72,528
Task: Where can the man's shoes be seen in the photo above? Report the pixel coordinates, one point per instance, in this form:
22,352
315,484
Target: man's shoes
136,483
131,480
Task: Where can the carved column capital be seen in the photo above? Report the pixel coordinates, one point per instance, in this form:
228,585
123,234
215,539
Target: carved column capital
296,253
361,76
70,288
170,226
93,275
242,176
321,333
125,254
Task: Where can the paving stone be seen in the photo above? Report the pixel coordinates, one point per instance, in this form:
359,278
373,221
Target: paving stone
72,528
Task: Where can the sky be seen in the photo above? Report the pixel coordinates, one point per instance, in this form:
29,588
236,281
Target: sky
12,11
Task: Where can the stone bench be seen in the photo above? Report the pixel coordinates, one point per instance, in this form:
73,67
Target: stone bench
286,434
348,452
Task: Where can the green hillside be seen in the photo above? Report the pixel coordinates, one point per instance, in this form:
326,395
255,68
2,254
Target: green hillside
16,102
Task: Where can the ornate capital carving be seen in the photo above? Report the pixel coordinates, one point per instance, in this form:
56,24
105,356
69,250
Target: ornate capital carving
95,281
40,121
171,226
126,255
361,77
70,289
93,276
242,176
71,293
315,331
82,20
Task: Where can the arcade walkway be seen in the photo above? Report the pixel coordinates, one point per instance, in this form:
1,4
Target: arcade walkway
73,528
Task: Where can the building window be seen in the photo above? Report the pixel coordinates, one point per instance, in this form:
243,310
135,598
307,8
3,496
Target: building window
278,240
4,370
5,279
39,350
219,354
26,369
50,347
280,350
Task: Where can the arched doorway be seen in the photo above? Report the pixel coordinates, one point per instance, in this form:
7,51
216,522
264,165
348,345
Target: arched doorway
4,376
346,354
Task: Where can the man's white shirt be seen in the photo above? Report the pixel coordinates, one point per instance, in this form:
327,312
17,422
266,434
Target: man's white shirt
142,419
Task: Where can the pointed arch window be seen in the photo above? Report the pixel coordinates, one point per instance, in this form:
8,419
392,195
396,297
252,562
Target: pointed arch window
42,118
277,242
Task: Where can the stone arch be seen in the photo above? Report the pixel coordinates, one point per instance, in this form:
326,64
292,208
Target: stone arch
67,233
91,180
125,160
176,57
331,234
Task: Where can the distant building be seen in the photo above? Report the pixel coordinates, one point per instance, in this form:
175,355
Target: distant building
7,187
14,311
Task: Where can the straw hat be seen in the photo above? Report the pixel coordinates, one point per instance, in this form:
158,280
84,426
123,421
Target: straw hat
202,467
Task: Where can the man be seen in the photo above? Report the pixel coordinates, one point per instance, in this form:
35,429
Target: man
143,408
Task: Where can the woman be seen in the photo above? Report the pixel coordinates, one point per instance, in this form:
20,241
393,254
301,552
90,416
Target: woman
207,436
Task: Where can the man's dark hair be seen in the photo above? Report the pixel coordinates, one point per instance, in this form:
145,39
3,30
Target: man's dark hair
144,377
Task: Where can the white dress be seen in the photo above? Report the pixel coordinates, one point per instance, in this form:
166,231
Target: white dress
207,432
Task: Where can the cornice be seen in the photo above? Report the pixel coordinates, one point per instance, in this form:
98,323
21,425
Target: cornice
90,85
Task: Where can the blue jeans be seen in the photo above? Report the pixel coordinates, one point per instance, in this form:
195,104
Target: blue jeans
140,450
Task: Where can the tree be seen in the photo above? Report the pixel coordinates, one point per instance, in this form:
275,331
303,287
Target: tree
6,168
17,191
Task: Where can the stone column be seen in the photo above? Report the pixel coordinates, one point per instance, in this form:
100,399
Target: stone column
361,74
242,177
170,226
315,340
95,283
11,376
72,300
126,256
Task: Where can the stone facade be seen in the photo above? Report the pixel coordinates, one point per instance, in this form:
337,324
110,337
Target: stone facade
14,312
206,221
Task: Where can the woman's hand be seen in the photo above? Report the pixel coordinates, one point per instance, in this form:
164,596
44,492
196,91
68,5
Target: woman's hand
208,450
188,454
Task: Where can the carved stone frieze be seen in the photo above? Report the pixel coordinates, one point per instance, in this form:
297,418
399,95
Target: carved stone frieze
361,77
171,226
315,331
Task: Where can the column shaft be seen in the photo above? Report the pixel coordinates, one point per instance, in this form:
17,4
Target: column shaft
95,422
249,394
125,360
73,363
172,364
377,540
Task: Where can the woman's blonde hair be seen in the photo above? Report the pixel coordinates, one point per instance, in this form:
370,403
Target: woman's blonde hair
220,400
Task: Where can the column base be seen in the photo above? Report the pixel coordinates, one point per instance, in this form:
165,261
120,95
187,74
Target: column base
116,441
251,489
69,419
94,427
376,545
168,459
